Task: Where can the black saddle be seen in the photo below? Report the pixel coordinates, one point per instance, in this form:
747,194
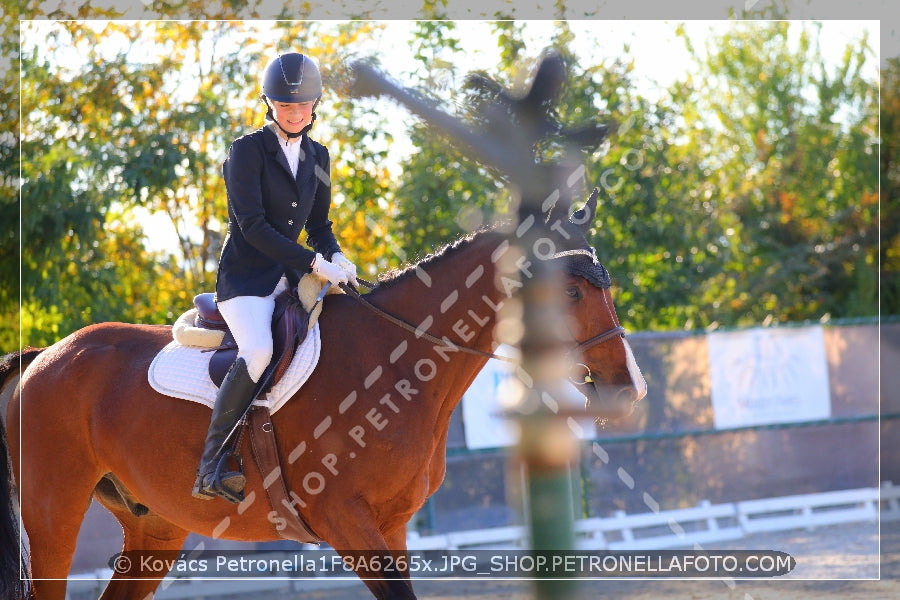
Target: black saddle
290,322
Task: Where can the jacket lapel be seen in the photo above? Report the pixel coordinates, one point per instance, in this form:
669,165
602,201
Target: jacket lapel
307,167
273,147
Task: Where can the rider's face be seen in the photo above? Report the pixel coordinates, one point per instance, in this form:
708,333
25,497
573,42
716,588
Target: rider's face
292,116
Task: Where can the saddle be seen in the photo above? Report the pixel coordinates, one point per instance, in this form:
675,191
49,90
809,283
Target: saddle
290,323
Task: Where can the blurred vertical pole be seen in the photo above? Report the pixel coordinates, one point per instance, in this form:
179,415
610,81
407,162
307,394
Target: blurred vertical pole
547,446
508,139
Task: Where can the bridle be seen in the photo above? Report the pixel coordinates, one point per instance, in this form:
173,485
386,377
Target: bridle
609,334
579,348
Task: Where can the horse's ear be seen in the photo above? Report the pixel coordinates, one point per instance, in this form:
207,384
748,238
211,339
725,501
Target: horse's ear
556,207
584,216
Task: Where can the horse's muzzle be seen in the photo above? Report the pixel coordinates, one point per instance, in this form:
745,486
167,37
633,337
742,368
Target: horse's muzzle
612,402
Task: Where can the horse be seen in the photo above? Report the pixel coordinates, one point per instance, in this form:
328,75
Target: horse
372,418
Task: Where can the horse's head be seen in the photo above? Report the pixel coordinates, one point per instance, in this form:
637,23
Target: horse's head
603,366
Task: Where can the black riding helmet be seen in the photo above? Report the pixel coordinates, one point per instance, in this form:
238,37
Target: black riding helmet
292,77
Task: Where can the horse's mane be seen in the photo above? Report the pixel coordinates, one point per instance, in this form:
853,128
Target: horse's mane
397,275
16,360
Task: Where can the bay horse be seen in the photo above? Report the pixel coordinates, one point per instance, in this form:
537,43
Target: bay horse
84,422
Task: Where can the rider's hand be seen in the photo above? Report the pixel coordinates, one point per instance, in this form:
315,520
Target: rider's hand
349,268
328,270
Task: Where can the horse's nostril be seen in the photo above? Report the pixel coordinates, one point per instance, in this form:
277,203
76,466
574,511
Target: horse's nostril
626,395
615,402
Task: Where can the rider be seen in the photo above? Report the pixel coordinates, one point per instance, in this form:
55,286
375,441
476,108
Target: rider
277,182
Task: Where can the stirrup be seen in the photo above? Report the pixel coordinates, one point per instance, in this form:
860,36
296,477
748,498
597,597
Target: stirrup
210,485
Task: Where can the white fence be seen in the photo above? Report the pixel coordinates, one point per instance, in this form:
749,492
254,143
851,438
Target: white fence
704,524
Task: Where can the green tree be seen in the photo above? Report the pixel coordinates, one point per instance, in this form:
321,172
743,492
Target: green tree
791,150
141,125
441,193
747,192
890,187
650,221
359,138
102,137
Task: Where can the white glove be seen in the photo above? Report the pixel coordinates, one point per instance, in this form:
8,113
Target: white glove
328,270
349,268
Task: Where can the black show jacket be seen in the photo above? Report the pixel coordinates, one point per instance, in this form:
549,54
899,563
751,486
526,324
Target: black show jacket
267,208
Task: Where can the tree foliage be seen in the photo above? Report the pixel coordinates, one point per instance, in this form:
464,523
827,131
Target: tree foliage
793,160
441,193
127,129
747,193
890,187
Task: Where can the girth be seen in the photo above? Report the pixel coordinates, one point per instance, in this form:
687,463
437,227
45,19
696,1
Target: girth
289,327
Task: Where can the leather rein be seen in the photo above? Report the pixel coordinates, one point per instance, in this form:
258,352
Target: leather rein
607,335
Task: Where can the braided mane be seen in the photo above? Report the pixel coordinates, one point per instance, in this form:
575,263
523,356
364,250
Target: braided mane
392,277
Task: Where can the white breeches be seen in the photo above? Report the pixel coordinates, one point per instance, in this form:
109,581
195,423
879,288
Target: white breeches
250,321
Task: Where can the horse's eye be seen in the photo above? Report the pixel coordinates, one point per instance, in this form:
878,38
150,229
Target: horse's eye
573,293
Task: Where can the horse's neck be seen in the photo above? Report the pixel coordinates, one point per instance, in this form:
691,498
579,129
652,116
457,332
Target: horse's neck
454,298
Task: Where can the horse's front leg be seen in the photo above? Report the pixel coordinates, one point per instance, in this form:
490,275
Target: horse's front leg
379,561
396,541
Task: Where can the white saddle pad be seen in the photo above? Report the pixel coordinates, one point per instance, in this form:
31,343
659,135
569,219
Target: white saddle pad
183,372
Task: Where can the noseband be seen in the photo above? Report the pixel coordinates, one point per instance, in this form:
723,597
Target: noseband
599,339
586,345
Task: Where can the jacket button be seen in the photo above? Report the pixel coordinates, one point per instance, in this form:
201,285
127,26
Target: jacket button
294,204
291,222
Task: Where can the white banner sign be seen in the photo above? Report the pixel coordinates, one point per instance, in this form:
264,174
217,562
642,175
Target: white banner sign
484,421
762,376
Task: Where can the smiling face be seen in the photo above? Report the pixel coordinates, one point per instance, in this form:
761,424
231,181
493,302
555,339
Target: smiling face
292,116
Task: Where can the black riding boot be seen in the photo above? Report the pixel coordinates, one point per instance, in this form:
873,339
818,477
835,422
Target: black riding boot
235,395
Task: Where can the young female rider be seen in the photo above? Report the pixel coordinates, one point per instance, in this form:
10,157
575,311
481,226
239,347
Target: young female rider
277,180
